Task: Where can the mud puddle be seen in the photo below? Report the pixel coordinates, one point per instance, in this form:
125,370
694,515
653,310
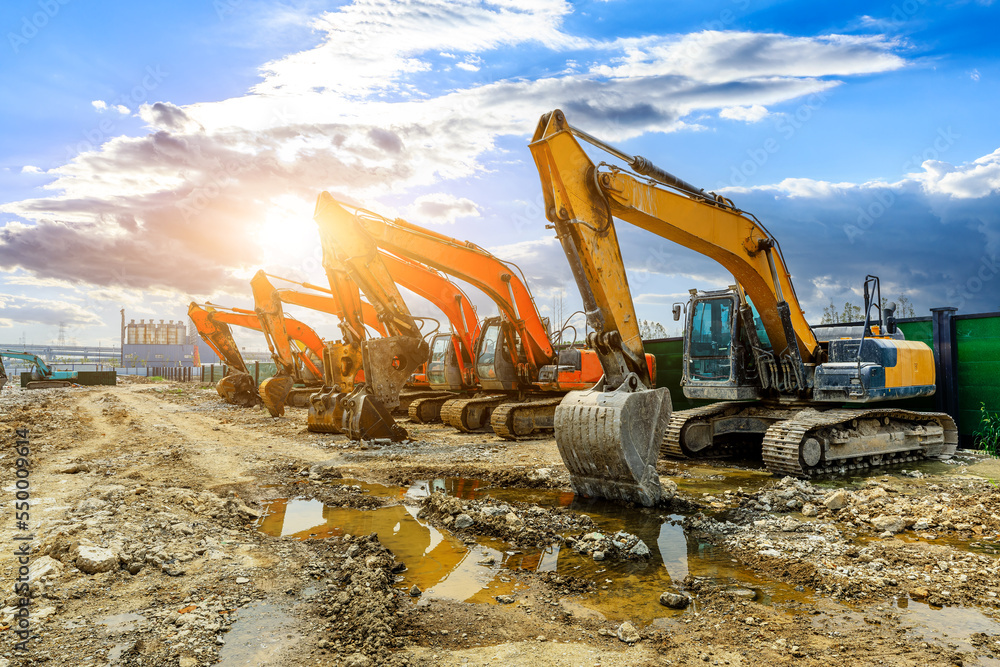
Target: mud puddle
259,635
444,567
437,563
962,628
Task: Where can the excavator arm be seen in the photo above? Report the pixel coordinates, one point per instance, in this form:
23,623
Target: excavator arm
466,261
388,361
582,198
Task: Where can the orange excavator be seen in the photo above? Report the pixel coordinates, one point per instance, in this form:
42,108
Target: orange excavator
449,367
295,365
389,361
522,377
213,321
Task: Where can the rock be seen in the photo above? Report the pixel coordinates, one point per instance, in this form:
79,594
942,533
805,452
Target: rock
919,593
358,660
242,580
742,593
74,468
809,510
627,633
890,524
45,566
668,489
770,553
540,475
95,559
922,524
505,599
789,525
188,662
674,600
415,592
598,555
836,500
640,549
463,521
134,568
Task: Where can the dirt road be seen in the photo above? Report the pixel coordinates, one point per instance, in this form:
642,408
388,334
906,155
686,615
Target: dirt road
167,528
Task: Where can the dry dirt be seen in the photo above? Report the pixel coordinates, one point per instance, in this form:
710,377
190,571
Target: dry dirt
146,503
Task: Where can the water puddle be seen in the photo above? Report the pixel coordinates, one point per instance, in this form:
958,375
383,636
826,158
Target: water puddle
953,626
260,633
121,622
444,567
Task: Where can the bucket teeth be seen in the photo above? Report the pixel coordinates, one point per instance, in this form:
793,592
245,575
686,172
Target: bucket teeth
610,442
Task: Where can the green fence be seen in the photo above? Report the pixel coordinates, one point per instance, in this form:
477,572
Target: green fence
212,373
976,339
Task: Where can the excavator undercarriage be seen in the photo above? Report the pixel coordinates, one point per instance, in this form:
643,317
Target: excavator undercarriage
804,440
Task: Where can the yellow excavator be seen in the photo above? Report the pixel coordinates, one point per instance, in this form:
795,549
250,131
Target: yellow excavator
748,347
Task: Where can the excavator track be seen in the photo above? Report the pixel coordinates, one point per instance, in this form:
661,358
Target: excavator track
522,420
817,443
671,445
48,384
470,414
408,396
427,409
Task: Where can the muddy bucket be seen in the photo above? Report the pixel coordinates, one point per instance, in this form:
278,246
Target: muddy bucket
366,418
274,391
238,389
610,441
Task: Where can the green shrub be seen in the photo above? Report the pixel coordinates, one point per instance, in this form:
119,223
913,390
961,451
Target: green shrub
988,433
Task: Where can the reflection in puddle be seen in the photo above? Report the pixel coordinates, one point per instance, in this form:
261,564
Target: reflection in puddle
437,563
954,625
443,567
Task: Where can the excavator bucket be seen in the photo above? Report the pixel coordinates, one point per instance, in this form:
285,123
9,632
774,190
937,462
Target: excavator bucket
274,391
610,440
238,389
326,411
368,419
393,359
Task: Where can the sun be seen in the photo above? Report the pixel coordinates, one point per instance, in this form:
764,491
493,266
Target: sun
288,233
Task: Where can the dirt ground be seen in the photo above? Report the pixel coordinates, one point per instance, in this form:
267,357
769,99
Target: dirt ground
168,528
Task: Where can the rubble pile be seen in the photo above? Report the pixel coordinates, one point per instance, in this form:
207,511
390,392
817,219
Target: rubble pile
620,546
518,523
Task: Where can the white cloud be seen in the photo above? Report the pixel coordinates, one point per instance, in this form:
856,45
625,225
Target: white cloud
29,310
974,75
351,116
441,208
30,169
750,114
100,105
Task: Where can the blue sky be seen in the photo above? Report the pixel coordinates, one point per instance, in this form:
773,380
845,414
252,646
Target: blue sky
157,153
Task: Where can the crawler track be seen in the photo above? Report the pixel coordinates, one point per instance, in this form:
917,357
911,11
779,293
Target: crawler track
525,419
791,446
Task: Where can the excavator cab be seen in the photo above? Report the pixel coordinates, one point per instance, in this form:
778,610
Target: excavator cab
718,343
495,362
443,368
